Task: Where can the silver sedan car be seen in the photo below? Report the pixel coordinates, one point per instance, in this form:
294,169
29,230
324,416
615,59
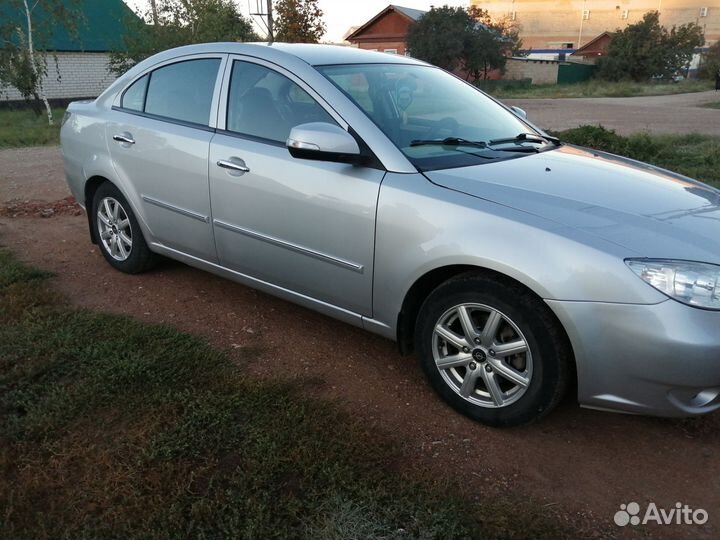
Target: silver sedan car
390,194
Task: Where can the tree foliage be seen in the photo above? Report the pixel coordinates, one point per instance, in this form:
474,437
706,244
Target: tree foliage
298,21
25,27
455,38
488,44
647,49
180,22
710,66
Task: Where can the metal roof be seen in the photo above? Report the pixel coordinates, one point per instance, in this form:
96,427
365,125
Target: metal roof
102,27
413,13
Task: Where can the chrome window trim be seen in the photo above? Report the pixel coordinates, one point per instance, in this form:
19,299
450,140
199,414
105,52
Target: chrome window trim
165,119
348,265
252,138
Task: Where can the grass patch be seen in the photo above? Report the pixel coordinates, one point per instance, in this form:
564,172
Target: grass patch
696,156
711,105
112,428
23,127
595,88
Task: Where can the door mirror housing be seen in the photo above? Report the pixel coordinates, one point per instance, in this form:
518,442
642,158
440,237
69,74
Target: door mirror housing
322,141
522,113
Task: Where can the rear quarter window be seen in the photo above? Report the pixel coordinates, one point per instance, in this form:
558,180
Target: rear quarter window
134,97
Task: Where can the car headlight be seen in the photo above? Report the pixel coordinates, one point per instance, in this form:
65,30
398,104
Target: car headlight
692,283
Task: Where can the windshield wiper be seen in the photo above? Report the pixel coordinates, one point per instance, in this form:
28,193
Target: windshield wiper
527,137
449,141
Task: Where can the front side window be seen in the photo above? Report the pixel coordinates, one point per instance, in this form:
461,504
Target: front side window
418,107
183,91
265,104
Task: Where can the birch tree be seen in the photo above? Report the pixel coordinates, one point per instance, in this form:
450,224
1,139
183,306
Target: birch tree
25,25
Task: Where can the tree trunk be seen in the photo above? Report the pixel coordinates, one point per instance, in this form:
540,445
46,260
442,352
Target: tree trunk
153,7
33,65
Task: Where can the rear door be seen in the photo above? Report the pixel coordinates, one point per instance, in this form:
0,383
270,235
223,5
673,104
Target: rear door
307,226
159,138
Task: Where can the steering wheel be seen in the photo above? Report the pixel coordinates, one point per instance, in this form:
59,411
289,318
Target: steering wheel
448,124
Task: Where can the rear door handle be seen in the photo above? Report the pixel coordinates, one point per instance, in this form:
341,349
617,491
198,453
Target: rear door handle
124,138
237,166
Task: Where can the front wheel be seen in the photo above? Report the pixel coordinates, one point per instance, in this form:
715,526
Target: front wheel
492,350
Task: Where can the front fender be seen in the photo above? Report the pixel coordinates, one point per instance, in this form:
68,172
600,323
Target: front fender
422,227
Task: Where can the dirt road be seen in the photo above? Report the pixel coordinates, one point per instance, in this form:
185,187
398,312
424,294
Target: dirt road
678,114
582,464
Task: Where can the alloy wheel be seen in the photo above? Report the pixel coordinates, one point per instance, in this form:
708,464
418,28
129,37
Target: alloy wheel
114,229
482,355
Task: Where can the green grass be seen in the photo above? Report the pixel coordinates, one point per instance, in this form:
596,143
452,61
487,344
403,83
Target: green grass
696,156
112,428
25,128
712,105
595,88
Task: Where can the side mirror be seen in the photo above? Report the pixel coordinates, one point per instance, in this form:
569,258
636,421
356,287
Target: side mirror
322,141
520,112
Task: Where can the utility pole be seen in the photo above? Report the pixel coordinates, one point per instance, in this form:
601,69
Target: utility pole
271,35
582,20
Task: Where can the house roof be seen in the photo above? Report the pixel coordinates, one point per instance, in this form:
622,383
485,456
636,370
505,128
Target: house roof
413,13
410,13
103,26
594,41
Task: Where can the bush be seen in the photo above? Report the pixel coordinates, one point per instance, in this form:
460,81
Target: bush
490,85
696,156
710,66
646,49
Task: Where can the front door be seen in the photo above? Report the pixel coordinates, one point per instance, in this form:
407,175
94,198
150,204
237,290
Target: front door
307,226
159,140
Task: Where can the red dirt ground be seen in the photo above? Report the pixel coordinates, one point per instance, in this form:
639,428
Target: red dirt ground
582,464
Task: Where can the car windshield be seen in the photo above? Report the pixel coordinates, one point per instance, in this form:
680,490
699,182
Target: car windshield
435,119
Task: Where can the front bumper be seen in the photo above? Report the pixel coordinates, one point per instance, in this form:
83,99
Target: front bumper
660,359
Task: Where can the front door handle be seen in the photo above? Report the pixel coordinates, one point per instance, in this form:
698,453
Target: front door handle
233,165
124,138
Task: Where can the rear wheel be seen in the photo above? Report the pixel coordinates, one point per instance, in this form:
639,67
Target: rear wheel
118,232
492,350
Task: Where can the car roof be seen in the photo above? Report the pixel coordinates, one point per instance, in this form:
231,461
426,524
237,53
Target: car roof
313,54
317,55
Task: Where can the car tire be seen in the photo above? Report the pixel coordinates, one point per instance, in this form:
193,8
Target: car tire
493,350
118,232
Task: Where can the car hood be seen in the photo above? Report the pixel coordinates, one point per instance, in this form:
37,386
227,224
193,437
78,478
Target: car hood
650,211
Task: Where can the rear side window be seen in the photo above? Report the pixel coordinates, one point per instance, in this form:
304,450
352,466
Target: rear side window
134,97
182,91
263,103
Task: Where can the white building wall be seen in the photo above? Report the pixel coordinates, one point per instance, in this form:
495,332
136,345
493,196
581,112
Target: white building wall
76,75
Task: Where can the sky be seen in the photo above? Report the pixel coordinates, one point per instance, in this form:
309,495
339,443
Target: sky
340,15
